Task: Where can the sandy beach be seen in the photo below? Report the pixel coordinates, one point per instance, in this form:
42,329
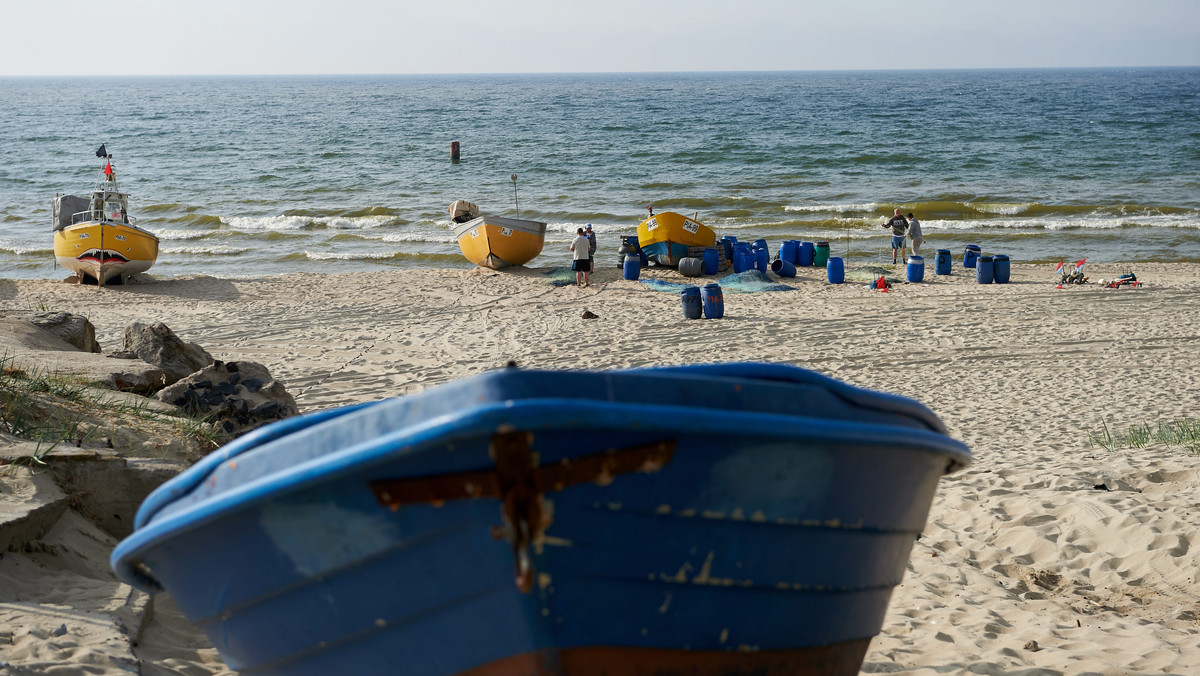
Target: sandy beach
1048,555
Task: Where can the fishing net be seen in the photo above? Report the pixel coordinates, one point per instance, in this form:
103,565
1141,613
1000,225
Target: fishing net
750,281
560,276
869,273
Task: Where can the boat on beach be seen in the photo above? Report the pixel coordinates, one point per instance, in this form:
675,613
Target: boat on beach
706,519
665,237
96,238
495,241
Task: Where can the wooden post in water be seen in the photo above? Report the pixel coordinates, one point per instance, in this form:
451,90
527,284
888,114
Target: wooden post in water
515,201
454,151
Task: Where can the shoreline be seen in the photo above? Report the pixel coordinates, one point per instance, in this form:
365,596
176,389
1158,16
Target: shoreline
1044,540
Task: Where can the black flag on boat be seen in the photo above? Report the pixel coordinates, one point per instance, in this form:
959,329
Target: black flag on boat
102,152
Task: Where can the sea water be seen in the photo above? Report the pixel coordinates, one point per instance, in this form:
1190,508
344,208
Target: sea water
249,176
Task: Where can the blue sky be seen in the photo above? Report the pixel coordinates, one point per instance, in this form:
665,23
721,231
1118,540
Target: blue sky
167,37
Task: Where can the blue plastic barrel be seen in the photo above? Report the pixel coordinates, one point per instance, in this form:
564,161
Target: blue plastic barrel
743,260
1000,269
834,270
783,268
821,254
714,301
693,305
788,250
970,256
807,252
762,259
711,260
916,269
760,244
985,270
727,244
942,262
633,266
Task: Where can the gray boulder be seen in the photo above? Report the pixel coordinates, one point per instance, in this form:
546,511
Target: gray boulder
74,329
31,348
240,395
156,344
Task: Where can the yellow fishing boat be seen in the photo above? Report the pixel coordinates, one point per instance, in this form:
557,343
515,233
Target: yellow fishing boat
96,238
495,241
665,237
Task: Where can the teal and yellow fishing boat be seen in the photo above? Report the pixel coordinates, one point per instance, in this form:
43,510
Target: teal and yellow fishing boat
665,237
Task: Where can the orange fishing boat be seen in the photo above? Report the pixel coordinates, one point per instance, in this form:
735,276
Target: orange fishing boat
495,241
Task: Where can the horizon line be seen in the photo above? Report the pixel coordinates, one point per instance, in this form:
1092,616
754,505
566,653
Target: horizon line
599,72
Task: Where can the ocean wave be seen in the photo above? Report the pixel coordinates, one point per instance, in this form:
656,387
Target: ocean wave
999,208
397,238
306,222
206,250
868,207
376,256
9,246
179,235
201,220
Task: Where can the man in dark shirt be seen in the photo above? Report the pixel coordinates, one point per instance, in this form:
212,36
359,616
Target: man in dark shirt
899,226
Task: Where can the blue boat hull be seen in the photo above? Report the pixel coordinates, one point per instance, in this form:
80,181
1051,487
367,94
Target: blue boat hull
655,535
666,253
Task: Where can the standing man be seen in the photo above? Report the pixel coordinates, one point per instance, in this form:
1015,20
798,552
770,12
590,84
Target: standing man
591,246
914,233
899,226
582,265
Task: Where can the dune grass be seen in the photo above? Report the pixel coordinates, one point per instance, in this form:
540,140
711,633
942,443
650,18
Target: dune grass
52,409
1182,433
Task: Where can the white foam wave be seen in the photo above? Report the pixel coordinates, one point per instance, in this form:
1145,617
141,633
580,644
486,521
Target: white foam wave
12,247
1080,222
301,222
206,250
833,208
395,238
358,256
167,235
999,208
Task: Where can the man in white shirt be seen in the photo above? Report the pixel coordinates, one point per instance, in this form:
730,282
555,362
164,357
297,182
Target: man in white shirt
914,234
582,263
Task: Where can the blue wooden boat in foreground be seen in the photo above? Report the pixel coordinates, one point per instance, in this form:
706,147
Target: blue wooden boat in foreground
709,520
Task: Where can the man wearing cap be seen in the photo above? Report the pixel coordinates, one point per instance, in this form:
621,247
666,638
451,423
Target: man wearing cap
899,227
591,246
581,264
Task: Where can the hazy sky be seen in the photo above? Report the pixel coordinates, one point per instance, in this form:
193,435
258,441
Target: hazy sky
119,37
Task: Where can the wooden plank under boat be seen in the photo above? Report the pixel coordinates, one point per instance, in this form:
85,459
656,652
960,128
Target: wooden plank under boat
711,520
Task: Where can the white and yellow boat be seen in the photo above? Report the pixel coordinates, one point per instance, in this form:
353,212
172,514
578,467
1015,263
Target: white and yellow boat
665,237
495,241
96,238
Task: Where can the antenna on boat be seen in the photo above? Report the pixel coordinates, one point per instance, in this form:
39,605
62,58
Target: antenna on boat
515,201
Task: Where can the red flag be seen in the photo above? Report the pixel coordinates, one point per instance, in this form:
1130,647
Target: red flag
1059,267
108,169
1079,264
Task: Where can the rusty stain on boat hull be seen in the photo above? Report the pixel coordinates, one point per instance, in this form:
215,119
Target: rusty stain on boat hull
831,660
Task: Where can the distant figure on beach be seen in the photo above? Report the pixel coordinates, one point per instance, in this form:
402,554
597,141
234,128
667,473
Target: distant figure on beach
582,265
591,245
914,233
899,226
